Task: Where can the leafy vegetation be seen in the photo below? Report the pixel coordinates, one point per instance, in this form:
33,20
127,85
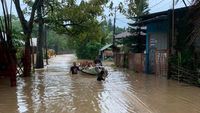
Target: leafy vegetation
58,42
137,8
88,50
186,34
7,50
136,43
79,22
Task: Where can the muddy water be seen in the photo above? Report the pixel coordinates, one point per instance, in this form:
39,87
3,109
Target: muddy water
54,90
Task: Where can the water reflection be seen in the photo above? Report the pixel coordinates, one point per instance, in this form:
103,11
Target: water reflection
119,96
54,90
8,101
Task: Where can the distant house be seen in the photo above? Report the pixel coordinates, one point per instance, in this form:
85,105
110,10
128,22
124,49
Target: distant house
120,38
123,35
134,41
106,52
159,39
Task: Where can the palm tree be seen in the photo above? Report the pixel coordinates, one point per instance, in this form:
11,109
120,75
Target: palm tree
137,8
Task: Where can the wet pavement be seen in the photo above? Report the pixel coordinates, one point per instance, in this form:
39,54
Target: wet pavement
54,90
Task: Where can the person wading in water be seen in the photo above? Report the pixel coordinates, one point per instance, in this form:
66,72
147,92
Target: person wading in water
74,69
100,69
97,61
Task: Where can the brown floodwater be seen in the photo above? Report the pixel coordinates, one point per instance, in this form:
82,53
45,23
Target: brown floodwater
54,90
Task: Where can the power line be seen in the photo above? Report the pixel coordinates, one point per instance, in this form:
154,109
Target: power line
156,4
161,6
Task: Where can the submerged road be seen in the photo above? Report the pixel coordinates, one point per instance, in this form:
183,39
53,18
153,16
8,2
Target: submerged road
54,90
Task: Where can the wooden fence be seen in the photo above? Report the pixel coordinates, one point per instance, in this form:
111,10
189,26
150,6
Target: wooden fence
133,61
161,63
136,62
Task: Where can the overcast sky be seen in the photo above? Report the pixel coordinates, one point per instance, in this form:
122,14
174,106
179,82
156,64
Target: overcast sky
154,6
121,21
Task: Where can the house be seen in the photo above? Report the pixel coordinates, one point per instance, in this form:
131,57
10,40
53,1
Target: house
123,35
119,57
130,46
159,39
106,52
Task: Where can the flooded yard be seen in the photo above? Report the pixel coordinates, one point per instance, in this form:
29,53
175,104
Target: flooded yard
54,90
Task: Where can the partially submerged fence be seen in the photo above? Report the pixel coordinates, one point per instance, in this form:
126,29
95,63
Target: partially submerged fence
161,63
136,62
184,75
133,61
119,59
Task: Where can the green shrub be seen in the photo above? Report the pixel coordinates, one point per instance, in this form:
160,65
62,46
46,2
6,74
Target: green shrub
88,50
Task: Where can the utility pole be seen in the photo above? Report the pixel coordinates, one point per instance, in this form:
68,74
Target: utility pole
173,28
114,27
114,48
46,49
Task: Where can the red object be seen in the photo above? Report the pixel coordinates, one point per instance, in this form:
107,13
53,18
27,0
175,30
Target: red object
27,62
10,67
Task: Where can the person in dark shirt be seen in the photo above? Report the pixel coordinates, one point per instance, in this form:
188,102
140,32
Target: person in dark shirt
74,69
102,75
97,61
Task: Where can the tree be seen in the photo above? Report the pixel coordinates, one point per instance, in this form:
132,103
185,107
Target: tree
88,40
137,8
61,40
27,27
79,22
194,20
88,50
40,39
8,61
110,26
187,35
18,37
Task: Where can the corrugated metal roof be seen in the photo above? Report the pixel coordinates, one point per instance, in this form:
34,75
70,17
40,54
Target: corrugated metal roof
105,47
123,35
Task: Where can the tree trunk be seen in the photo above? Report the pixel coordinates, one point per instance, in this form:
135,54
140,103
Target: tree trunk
27,57
27,29
13,70
39,59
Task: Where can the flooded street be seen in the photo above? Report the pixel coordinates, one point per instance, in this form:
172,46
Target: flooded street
54,90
